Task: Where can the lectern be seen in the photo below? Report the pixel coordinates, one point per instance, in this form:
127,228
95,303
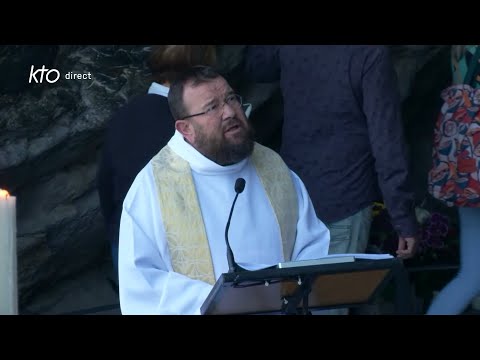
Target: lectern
299,290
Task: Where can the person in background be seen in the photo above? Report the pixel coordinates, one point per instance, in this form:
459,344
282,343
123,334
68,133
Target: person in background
455,297
140,129
343,135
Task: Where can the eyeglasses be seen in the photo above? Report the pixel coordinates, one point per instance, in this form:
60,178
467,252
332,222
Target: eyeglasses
234,100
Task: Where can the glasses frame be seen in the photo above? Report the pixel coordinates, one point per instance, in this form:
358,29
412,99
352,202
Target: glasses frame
238,97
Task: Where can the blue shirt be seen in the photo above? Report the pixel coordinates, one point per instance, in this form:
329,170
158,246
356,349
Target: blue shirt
343,132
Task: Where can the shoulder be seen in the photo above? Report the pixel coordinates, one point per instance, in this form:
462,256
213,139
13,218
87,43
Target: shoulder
263,155
357,58
366,53
263,148
138,113
367,57
266,152
369,49
299,186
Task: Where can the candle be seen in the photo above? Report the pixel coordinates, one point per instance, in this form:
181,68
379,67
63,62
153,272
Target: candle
8,255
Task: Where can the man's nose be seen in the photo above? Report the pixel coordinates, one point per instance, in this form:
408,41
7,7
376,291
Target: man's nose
228,111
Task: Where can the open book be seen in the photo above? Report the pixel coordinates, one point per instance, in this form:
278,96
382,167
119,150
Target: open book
333,259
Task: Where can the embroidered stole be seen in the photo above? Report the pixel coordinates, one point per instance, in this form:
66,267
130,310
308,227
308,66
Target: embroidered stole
182,216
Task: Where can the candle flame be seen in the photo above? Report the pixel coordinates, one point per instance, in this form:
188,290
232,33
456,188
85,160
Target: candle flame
4,193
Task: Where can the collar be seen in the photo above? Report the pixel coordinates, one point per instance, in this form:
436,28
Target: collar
198,162
159,89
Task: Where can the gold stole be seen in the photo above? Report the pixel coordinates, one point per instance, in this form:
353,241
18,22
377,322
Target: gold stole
182,216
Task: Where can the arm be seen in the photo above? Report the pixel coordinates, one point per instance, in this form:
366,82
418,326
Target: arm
313,237
262,63
147,282
381,105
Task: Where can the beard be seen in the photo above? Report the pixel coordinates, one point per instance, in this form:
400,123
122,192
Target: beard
225,151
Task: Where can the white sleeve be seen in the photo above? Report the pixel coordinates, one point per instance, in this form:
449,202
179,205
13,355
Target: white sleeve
147,282
313,237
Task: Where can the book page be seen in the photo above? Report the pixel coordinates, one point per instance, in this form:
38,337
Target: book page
365,256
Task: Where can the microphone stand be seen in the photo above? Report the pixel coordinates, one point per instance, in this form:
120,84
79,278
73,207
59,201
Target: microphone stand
291,303
232,265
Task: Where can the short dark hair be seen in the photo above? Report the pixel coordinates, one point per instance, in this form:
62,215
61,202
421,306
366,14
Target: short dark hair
194,76
165,61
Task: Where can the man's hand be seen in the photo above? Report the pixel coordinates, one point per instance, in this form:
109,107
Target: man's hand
406,247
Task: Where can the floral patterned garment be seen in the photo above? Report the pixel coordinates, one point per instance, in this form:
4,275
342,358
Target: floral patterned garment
455,175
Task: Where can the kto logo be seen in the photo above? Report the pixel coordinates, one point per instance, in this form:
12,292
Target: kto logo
51,75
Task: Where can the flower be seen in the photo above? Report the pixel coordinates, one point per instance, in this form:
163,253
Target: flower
450,128
433,235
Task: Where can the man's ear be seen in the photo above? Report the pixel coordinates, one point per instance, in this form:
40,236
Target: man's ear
185,128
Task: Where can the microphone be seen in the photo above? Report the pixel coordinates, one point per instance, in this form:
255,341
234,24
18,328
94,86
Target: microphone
232,265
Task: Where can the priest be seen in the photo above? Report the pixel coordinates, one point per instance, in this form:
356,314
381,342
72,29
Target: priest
172,229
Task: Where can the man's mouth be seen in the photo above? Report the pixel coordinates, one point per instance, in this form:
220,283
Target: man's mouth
232,128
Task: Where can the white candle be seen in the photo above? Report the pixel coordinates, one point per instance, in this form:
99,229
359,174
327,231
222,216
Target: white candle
8,255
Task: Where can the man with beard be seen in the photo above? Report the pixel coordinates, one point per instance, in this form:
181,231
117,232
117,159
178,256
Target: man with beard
172,230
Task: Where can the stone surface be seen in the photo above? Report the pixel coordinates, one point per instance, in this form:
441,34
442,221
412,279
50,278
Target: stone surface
87,293
51,135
